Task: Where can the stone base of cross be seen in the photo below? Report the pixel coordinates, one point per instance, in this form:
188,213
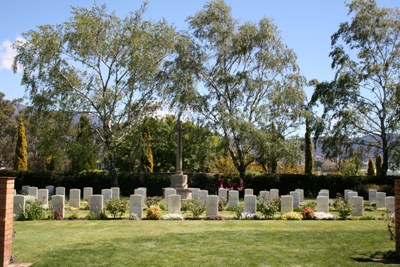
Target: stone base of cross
179,183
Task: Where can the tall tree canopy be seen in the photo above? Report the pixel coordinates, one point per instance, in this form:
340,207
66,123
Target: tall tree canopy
96,63
8,132
21,152
250,77
364,97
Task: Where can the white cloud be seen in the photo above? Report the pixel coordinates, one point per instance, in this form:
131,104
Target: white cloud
7,54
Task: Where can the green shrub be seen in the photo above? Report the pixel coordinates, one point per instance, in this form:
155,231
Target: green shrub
94,216
343,208
116,207
269,208
238,210
194,207
73,216
153,201
153,213
291,216
309,204
33,211
222,204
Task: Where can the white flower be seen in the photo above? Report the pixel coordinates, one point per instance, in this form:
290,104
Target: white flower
248,216
133,216
176,217
323,216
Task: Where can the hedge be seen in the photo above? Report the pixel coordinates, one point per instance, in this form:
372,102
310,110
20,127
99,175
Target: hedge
154,182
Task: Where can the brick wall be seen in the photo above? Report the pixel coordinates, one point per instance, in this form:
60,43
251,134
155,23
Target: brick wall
397,214
6,218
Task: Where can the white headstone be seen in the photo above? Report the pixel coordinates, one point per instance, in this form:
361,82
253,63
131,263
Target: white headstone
264,196
60,191
19,204
115,192
96,204
248,192
51,189
203,197
87,193
346,197
390,204
107,194
58,203
372,196
195,193
222,194
144,191
75,198
301,191
323,194
174,204
273,193
169,191
233,198
286,204
43,196
357,206
33,191
323,204
212,205
136,205
141,191
380,200
250,203
296,199
350,195
25,189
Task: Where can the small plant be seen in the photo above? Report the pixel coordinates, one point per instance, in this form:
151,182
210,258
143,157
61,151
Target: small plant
153,212
173,217
309,204
369,208
269,208
85,205
389,219
215,218
116,207
238,210
73,216
307,213
248,216
33,211
194,207
291,216
222,203
133,216
343,208
153,201
94,216
323,216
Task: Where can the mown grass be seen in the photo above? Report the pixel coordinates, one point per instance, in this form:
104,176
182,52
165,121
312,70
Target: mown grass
200,243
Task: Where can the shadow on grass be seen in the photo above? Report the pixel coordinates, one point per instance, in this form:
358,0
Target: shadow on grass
385,257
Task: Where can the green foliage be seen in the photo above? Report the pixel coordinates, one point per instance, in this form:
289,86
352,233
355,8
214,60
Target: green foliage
238,210
194,207
73,216
269,208
93,216
8,132
371,168
33,211
82,151
116,207
343,208
153,213
308,149
389,220
21,153
378,164
147,156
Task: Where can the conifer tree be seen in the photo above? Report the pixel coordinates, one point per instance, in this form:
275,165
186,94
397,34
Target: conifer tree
371,167
308,149
21,153
147,157
379,163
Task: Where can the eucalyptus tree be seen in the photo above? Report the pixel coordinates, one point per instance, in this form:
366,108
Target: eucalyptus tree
99,64
248,77
365,93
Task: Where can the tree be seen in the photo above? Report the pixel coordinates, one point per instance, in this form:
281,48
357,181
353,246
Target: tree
379,164
8,131
371,167
99,64
250,78
308,149
83,151
365,92
21,153
147,154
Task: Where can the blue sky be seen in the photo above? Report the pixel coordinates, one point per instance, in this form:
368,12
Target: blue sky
305,25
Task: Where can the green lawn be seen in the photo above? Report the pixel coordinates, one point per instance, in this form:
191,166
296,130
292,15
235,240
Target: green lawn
201,243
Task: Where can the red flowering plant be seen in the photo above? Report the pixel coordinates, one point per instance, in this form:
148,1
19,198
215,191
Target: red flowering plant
307,213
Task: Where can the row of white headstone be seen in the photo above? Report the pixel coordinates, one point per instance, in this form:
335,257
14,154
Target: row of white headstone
288,202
